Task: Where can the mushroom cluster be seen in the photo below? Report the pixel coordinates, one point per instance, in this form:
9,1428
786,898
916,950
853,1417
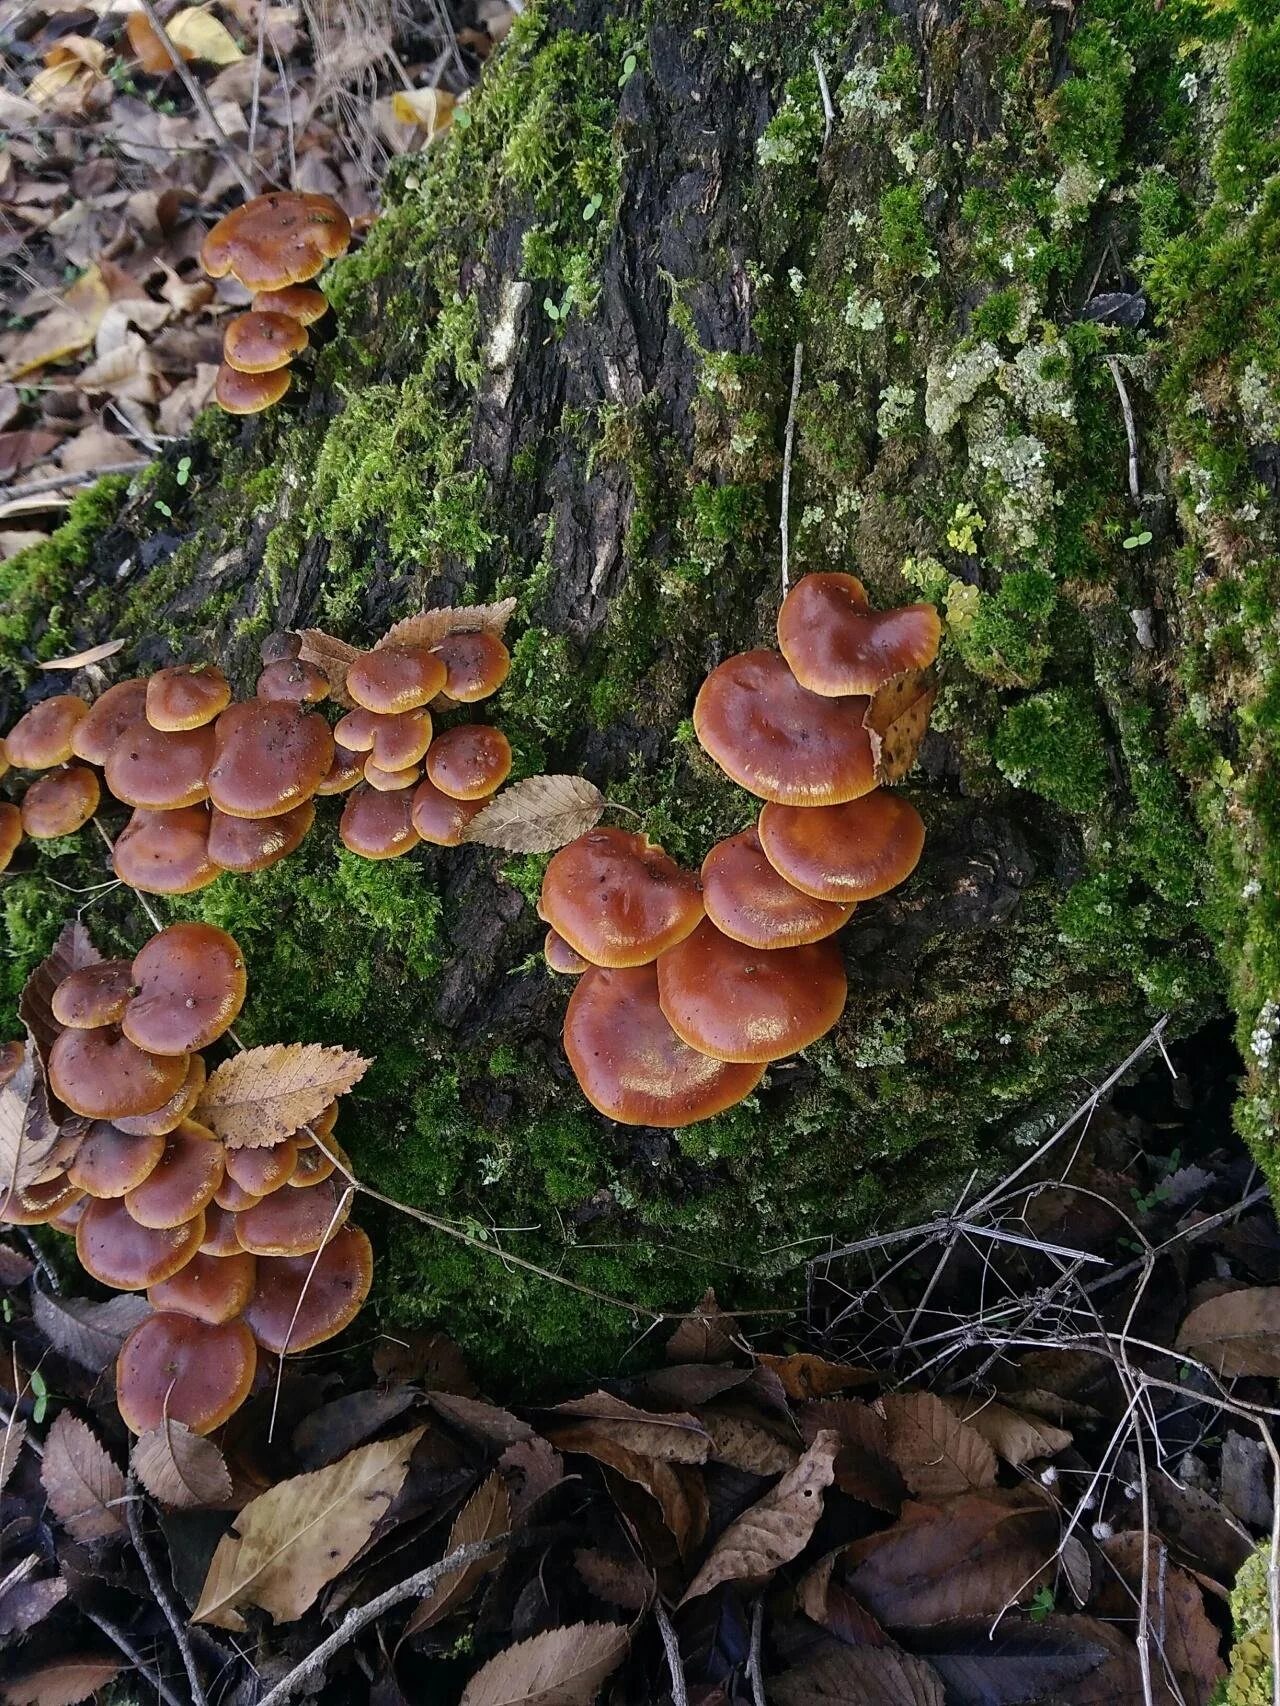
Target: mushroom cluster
690,986
236,1248
273,245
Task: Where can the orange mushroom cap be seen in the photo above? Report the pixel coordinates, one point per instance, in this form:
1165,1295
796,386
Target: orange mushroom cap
390,781
186,696
10,832
343,774
477,664
777,739
177,1368
298,1302
42,736
60,803
101,1074
469,762
159,769
836,645
358,729
249,393
618,899
299,301
39,1204
292,681
208,1288
400,740
183,1181
321,1126
261,341
191,985
268,759
94,995
248,844
560,957
844,853
629,1062
276,240
739,1003
261,1171
110,1164
294,1223
747,899
395,678
165,852
109,716
438,818
220,1232
234,1198
377,825
315,1165
170,1114
128,1257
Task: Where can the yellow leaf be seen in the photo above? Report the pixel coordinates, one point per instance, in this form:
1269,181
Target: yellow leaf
265,1094
69,328
198,33
432,109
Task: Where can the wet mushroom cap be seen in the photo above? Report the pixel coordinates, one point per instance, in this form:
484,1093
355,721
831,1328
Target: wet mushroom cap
262,340
12,1055
115,1250
835,644
160,769
777,739
249,393
395,678
390,781
293,682
191,985
109,1163
618,899
186,696
261,1171
332,1291
401,740
477,664
183,1181
294,1223
10,832
220,1233
746,898
276,240
844,853
280,646
170,1114
315,1164
248,844
759,1004
299,301
269,758
109,716
94,995
358,730
101,1074
233,1198
177,1368
209,1288
42,736
469,762
39,1204
439,819
561,957
61,803
377,825
165,852
344,773
68,1218
629,1062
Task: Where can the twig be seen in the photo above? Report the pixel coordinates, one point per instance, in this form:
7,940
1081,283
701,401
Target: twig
1130,430
197,94
133,1515
828,111
288,114
119,1639
788,446
671,1646
259,51
754,1670
80,477
341,1208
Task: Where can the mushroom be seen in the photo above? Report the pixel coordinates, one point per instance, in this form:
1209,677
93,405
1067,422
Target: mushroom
186,696
101,1074
294,1223
175,1368
835,644
110,1164
261,1171
115,1250
208,1288
321,1126
191,985
234,1198
249,393
12,1055
399,740
60,803
469,762
268,758
618,899
10,832
38,1204
160,769
276,240
344,773
42,736
220,1232
183,1181
438,818
844,853
300,1301
476,665
248,844
358,729
299,301
293,682
109,716
94,995
560,957
377,825
777,739
165,852
747,899
315,1165
262,340
390,781
280,647
170,1114
392,679
629,1062
68,1218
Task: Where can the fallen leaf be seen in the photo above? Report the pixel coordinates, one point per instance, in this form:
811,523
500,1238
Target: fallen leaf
804,1375
859,1676
32,1144
83,1483
746,1443
538,814
25,1603
11,1442
485,1516
864,1468
1020,1658
128,373
1181,1630
560,1667
95,654
89,1334
704,1336
147,47
897,720
265,1094
430,109
1237,1333
332,1430
1011,1435
617,1581
197,34
20,450
64,1681
333,656
428,627
15,1267
291,1541
181,1469
937,1453
531,1468
65,330
830,1604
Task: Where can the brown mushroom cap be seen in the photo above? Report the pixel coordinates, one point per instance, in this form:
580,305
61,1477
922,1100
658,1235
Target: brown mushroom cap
747,899
469,762
10,832
777,739
128,1257
321,1126
37,1205
12,1055
759,1004
42,736
299,301
276,240
629,1062
60,803
101,1074
109,1163
280,646
296,1305
4,758
261,1171
836,645
256,843
177,1368
249,393
172,1113
68,1218
220,1232
439,819
560,957
848,852
209,1288
343,774
268,759
233,1198
109,716
165,852
618,899
191,985
395,678
94,995
357,730
477,665
401,740
294,1223
292,681
186,696
159,769
262,340
315,1164
376,825
390,781
182,1182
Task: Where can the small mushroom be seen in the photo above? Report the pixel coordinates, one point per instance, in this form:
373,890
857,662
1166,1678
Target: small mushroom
94,995
186,696
109,1163
276,240
321,1126
10,832
42,736
315,1165
390,781
293,682
357,730
208,1288
234,1198
220,1232
191,985
247,844
344,773
560,957
115,1250
470,761
109,716
618,899
844,853
172,1113
262,340
60,803
299,1301
38,1204
400,740
747,899
835,644
268,758
476,665
395,678
439,819
175,1368
376,825
101,1074
294,1223
249,393
183,1181
299,301
280,647
67,1219
261,1171
160,769
165,852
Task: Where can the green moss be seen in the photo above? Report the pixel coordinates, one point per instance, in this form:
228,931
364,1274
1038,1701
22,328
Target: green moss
1054,743
1250,1680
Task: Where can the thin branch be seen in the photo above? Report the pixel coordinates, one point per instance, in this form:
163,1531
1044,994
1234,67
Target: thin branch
754,1668
119,1639
198,96
1130,430
788,447
828,111
671,1646
79,477
133,1506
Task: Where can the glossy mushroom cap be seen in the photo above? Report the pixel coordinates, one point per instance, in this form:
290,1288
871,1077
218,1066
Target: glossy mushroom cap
440,820
110,1164
280,647
750,1004
294,1223
777,739
376,825
401,740
560,957
358,730
109,716
346,770
248,844
261,1171
39,1204
10,832
835,644
269,758
187,696
233,1198
276,240
94,995
61,803
291,681
746,899
182,1182
314,1165
469,762
618,899
629,1062
331,1293
208,1288
160,770
220,1233
390,781
844,853
249,393
12,1055
170,1114
395,678
191,985
299,301
165,852
128,1257
68,1218
261,340
42,736
476,664
101,1074
177,1368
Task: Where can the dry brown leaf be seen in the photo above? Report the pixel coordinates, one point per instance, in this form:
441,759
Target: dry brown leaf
804,1375
1010,1434
128,373
15,1267
538,815
821,1596
704,1336
864,1468
89,1334
859,1676
897,720
333,656
65,330
63,1681
25,1603
95,654
745,1443
1181,1630
32,1144
774,1530
561,1667
1237,1333
675,1437
145,44
485,1516
11,1442
265,1094
429,627
292,1540
180,1469
83,1483
617,1581
937,1453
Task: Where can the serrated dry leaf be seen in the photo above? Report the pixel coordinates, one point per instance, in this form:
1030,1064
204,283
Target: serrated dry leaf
774,1530
89,1334
745,1443
485,1516
859,1676
429,627
180,1469
897,720
617,1581
25,1603
83,1483
292,1540
265,1094
12,1436
1182,1632
198,35
561,1667
1237,1333
864,1469
1010,1434
73,949
32,1144
334,657
95,654
538,815
15,1267
63,1681
937,1453
704,1336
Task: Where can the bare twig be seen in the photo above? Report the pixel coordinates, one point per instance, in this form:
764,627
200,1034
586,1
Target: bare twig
119,1639
198,97
828,111
754,1668
671,1646
1130,430
788,447
80,477
133,1514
